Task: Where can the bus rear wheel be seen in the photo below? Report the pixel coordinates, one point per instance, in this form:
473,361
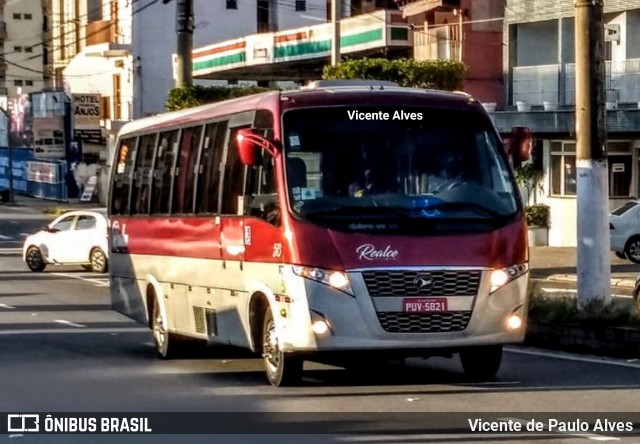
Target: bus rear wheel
283,369
481,363
165,342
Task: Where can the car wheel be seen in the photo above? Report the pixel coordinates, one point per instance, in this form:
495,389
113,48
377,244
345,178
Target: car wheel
35,260
632,249
283,369
481,363
621,254
98,260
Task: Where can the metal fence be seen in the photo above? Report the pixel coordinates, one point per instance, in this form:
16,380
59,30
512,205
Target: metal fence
536,84
46,179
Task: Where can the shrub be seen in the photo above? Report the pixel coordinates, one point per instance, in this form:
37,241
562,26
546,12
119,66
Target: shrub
435,74
190,96
594,313
538,215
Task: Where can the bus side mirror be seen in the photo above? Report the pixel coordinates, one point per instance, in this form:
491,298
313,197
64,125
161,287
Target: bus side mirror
520,144
249,145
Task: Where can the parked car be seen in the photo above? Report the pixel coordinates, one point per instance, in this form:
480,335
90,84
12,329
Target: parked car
76,237
624,227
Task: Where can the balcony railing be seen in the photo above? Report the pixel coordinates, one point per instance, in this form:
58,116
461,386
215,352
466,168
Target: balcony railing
436,43
537,84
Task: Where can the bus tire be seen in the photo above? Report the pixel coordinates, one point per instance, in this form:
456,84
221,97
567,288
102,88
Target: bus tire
164,341
481,363
283,369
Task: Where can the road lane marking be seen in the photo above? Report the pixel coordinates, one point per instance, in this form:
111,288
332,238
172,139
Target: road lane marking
2,236
8,307
10,250
71,324
97,282
572,357
47,331
440,437
592,436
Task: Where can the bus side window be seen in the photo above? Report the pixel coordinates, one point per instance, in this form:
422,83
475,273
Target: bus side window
140,197
163,172
122,177
209,168
233,181
185,170
262,197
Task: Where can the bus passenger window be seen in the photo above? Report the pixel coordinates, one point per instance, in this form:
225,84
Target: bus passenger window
185,176
163,172
122,180
209,168
142,175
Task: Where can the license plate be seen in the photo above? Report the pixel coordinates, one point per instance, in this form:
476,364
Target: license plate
424,305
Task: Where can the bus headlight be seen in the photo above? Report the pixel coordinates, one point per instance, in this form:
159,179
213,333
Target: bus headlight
503,276
334,279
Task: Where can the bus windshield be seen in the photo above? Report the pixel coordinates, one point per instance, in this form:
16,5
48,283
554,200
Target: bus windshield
396,163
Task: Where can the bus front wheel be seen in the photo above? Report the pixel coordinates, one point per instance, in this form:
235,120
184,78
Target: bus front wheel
481,363
283,369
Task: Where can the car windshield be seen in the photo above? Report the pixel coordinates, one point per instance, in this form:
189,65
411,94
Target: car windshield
343,163
623,209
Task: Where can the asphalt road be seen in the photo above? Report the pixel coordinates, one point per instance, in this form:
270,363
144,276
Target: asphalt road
62,349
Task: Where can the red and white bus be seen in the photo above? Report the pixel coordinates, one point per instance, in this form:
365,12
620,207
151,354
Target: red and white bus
347,216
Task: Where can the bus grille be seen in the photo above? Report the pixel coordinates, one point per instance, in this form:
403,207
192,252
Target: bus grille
385,283
399,322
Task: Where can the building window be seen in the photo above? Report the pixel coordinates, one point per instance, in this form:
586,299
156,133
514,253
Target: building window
563,168
232,4
301,5
28,16
620,168
28,49
17,49
17,16
94,8
18,82
28,82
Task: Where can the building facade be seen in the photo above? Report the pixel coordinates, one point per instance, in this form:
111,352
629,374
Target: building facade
24,33
539,67
470,31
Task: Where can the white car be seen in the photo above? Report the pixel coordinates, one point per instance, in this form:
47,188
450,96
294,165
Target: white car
624,227
75,238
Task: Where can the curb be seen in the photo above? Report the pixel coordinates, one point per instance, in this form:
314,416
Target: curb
619,342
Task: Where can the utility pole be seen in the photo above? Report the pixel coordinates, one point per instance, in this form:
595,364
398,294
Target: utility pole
336,12
184,29
594,265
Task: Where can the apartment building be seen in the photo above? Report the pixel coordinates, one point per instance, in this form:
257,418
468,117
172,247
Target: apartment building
25,62
539,66
464,30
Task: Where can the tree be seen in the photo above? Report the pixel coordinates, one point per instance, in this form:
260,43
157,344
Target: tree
435,74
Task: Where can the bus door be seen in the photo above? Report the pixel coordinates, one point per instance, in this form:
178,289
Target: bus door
232,240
